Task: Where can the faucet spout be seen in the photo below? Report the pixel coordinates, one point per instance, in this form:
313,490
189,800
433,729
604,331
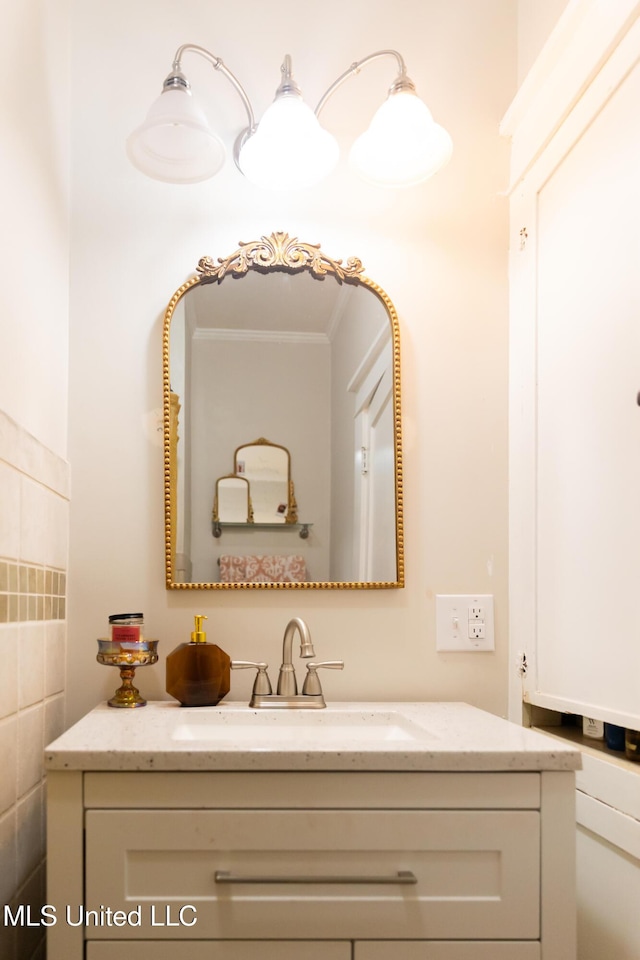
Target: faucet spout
287,686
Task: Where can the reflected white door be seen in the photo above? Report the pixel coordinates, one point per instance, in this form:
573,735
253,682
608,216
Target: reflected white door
375,480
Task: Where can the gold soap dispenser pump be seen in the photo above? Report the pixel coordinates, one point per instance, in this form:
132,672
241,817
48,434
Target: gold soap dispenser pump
198,635
198,673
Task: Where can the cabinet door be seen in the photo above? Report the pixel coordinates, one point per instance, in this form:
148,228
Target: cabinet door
446,950
575,343
314,874
219,950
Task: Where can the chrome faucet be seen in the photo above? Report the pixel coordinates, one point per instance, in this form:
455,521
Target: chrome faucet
287,691
287,686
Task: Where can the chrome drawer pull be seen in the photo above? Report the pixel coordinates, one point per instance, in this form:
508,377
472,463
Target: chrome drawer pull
401,877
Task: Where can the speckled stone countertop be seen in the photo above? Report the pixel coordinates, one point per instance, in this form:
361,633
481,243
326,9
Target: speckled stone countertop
345,736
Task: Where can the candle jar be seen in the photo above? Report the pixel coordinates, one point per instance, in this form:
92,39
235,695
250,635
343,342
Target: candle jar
126,627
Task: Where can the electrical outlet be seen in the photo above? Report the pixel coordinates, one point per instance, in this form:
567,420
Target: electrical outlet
464,622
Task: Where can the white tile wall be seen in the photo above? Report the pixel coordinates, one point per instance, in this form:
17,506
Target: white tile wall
30,747
53,718
10,513
8,847
8,675
8,752
34,504
31,663
30,940
8,881
54,657
29,836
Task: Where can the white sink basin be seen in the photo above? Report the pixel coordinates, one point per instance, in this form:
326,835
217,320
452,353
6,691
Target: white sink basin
322,727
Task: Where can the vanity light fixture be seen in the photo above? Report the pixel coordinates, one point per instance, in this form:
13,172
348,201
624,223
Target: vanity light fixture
288,149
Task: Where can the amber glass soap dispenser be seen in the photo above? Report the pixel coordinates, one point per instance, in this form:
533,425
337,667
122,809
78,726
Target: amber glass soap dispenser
198,673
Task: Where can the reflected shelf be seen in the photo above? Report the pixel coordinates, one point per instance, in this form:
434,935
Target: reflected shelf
302,528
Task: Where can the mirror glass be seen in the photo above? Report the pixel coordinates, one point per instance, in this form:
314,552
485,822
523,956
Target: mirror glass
281,370
265,466
232,504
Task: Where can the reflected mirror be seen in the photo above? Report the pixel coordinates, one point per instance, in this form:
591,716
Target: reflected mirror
282,369
232,503
266,467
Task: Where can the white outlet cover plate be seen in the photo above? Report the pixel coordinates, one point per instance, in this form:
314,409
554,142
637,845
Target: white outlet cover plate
452,622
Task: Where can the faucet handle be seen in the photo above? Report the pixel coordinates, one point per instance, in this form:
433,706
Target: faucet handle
312,681
262,683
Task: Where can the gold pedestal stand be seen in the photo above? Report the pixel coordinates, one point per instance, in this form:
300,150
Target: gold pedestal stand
127,656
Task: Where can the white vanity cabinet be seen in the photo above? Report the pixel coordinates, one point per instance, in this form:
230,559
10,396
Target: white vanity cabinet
317,863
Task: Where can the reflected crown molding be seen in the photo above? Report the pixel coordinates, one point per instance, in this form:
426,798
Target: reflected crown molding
261,336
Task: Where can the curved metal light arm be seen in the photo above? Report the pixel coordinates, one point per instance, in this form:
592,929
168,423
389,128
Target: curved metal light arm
402,81
176,77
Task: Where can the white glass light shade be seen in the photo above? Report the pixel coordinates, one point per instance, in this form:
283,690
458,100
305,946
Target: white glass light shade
289,150
403,144
175,143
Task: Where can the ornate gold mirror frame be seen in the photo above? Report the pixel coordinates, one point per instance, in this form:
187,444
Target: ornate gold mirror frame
277,252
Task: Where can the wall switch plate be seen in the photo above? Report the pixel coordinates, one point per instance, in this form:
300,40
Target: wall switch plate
464,622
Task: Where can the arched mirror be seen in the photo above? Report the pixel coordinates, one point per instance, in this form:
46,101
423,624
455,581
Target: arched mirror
282,369
232,503
266,467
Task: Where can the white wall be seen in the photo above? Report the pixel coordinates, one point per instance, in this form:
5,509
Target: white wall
34,183
439,251
536,20
34,481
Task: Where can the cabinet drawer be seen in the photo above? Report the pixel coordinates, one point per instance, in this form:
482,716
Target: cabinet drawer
446,950
476,872
308,791
219,950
